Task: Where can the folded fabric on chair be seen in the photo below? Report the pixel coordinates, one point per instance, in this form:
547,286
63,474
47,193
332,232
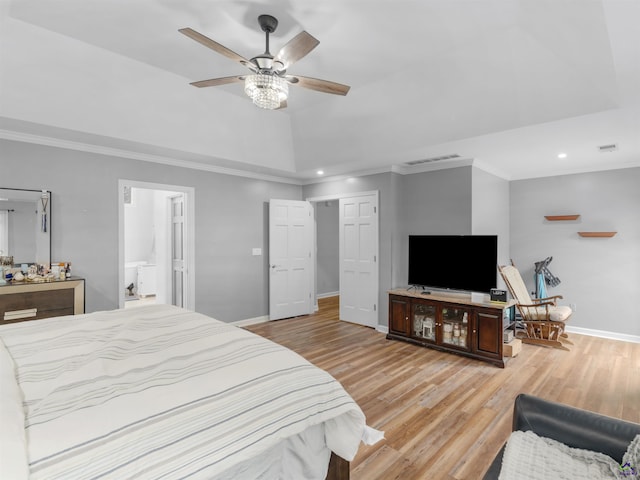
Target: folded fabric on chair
530,456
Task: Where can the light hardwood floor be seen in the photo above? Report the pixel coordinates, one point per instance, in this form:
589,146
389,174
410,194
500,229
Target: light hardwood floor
446,416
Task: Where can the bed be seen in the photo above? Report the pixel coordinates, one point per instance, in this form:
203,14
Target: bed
159,392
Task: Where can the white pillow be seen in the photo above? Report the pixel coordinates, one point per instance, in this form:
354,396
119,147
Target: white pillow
14,461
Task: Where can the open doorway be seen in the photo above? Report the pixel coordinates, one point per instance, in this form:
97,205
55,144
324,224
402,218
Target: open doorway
327,270
156,245
356,234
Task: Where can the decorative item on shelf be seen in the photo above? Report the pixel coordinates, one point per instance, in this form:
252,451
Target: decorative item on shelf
463,336
61,270
561,218
448,333
597,234
417,324
428,328
36,272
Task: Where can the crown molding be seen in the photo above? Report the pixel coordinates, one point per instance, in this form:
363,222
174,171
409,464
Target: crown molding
176,162
338,178
144,157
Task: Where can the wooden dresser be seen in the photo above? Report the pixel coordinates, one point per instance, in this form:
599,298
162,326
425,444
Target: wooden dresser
31,301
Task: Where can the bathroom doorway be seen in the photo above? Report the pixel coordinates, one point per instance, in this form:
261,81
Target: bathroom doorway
156,245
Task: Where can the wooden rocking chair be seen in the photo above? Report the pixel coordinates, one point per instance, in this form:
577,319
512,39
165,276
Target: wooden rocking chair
543,319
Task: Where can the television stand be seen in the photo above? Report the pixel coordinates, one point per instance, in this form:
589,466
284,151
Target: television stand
451,324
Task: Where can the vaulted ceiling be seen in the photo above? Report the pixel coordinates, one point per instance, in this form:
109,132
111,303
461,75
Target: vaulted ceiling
504,84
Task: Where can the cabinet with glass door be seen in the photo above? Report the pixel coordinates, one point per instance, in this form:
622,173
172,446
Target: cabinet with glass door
425,321
450,324
455,327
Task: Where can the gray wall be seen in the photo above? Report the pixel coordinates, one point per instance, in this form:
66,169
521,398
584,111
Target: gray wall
231,218
490,213
328,247
601,276
433,203
438,202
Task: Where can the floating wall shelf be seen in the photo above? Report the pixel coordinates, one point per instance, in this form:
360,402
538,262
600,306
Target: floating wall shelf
597,234
561,218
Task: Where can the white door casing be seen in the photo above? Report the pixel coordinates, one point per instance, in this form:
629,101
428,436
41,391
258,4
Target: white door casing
177,251
290,245
359,259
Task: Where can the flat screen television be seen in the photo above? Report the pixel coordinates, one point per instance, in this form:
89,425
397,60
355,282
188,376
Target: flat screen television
453,262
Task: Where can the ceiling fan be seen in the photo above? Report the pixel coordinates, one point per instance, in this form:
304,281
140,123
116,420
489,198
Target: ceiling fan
268,85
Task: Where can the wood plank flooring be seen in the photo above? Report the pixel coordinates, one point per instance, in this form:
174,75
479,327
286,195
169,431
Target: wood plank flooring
446,416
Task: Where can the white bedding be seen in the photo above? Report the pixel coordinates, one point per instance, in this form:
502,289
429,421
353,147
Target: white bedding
160,392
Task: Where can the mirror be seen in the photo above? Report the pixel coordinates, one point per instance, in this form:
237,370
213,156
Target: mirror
25,225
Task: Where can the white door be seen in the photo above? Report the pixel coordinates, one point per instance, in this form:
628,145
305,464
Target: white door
359,259
290,241
177,251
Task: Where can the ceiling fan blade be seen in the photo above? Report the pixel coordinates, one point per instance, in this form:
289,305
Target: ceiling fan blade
216,47
214,82
295,49
324,86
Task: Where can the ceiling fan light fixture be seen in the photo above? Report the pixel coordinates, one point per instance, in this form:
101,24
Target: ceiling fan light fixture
266,90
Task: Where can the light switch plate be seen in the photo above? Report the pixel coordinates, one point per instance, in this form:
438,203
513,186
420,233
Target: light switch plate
256,251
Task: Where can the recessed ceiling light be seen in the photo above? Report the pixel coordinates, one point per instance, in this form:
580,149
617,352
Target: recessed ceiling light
320,172
562,155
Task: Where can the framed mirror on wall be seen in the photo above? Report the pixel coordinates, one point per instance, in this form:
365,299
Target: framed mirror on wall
25,225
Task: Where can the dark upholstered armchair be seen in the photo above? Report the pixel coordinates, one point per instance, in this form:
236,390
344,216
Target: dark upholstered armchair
572,426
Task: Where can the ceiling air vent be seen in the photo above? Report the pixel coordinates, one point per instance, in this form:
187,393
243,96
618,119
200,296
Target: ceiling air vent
608,148
433,159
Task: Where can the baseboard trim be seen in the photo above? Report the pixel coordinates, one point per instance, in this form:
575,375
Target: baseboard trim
327,295
250,321
623,337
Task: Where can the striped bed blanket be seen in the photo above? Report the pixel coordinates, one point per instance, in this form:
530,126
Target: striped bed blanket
160,392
